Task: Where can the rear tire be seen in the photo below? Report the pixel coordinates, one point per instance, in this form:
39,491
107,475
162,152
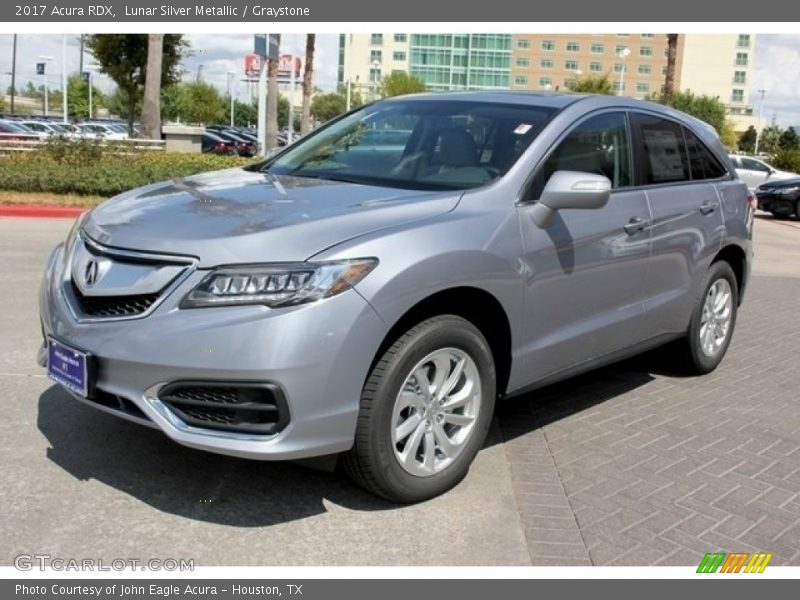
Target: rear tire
713,320
425,411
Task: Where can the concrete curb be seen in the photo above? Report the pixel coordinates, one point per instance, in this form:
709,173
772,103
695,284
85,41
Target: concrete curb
41,211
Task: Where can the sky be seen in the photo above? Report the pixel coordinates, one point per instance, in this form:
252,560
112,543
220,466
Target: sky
777,64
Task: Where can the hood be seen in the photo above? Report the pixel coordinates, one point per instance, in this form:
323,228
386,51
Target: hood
785,182
237,216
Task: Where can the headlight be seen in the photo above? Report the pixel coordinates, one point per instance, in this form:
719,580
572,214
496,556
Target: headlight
788,190
279,284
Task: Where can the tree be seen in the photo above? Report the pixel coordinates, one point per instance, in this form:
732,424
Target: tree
245,114
272,101
123,57
78,97
193,102
31,91
600,84
747,142
789,140
308,84
325,107
151,107
704,107
398,83
672,60
728,135
769,141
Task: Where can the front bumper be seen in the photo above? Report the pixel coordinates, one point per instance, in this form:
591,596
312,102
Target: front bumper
782,204
318,354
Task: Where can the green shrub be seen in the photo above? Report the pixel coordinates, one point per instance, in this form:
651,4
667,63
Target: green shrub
90,169
786,160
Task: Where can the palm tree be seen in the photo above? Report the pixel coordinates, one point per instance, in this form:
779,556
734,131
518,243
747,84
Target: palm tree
672,59
272,100
151,107
308,84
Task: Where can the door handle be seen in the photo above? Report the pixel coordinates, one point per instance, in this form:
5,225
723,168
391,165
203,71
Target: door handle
635,225
707,207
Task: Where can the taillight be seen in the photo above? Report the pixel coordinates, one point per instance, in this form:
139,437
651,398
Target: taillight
220,147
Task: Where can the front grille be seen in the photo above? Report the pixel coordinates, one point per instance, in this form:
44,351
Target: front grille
241,407
113,306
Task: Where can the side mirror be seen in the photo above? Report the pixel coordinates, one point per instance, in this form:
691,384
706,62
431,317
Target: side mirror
570,189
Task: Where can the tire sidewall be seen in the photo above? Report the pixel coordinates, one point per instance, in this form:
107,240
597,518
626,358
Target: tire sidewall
437,333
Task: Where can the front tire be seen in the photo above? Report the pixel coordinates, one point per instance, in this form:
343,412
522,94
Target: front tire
425,411
713,321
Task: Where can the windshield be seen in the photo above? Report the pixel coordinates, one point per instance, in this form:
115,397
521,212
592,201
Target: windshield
418,144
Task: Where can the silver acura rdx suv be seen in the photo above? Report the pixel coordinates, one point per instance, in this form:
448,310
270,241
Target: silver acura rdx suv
371,290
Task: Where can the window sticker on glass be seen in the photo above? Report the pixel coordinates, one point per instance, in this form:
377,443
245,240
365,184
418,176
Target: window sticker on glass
523,128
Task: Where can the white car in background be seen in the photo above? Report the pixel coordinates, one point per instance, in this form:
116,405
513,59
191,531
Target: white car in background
42,129
108,131
754,171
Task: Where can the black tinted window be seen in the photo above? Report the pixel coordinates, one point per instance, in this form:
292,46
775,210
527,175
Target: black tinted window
703,163
663,152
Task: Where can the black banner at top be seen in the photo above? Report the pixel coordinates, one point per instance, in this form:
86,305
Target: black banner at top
176,11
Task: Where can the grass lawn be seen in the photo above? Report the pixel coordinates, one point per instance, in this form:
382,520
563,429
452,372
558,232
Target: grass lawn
47,199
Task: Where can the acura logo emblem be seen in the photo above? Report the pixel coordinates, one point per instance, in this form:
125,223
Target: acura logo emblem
92,273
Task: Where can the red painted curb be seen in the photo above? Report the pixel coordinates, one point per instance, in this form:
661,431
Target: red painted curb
40,211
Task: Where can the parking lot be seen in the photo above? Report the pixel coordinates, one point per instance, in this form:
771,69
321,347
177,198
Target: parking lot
631,465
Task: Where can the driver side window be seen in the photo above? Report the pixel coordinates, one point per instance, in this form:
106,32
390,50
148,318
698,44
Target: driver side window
599,145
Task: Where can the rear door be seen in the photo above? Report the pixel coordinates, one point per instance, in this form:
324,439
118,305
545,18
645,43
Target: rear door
677,173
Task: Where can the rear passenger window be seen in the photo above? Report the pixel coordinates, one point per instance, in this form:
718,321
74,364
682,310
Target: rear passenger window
599,145
703,163
663,153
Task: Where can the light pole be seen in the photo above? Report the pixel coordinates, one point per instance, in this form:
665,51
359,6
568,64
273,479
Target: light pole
375,66
231,79
758,128
199,76
623,54
347,66
46,59
64,92
91,69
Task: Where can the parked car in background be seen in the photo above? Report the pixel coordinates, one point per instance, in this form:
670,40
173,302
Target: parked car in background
754,171
106,131
243,146
780,197
214,144
12,130
334,299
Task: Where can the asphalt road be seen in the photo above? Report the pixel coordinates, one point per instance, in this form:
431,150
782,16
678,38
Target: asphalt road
77,483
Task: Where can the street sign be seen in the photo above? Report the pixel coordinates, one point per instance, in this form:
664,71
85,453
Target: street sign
266,45
85,76
40,68
252,65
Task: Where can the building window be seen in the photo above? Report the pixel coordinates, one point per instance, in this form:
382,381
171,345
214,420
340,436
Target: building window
595,67
399,56
400,38
642,88
664,71
523,44
741,59
573,47
646,51
375,56
374,75
571,65
739,77
737,96
623,34
520,80
376,39
545,83
546,63
548,45
648,35
620,49
523,62
618,67
743,41
645,70
618,87
598,48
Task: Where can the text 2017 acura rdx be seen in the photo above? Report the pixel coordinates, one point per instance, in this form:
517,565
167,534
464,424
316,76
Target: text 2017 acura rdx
371,290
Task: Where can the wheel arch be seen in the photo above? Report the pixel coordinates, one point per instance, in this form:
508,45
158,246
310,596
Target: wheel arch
735,256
